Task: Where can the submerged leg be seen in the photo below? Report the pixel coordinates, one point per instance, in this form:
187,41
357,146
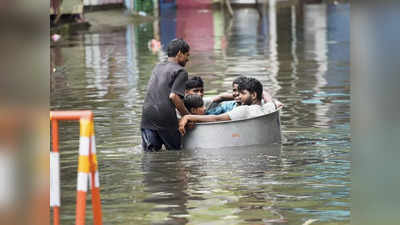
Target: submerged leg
151,141
171,139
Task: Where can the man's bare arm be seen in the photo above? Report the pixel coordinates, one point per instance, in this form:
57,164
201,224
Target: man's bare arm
208,118
178,104
201,118
223,97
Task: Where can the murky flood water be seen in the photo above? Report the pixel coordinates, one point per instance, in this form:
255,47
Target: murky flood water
301,55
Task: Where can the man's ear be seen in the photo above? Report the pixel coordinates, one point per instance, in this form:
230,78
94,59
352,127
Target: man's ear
253,95
179,53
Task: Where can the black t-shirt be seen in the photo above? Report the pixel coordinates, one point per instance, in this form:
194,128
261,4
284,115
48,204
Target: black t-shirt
158,110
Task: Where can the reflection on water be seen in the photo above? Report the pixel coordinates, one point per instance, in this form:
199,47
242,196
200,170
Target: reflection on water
301,55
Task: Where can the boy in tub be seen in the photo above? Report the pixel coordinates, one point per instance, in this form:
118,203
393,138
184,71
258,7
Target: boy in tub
224,102
195,86
226,105
195,105
250,95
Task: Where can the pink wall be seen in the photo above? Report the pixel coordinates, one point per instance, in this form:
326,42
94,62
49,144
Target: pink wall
194,3
196,26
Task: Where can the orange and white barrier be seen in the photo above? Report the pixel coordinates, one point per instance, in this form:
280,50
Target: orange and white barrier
55,198
88,174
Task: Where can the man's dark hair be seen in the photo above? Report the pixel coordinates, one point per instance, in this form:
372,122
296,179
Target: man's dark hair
194,82
177,45
239,80
193,101
252,85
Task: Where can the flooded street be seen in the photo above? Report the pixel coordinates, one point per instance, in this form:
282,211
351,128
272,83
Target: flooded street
301,55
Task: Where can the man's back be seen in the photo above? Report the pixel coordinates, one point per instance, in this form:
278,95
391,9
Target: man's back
158,111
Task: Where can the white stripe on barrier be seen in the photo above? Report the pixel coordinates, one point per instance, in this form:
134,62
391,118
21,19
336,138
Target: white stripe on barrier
96,180
55,199
84,146
93,145
82,182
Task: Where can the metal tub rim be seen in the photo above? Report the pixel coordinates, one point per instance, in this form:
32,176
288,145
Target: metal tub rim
235,121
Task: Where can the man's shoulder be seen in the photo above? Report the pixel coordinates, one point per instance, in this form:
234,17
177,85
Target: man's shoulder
174,66
256,109
169,66
268,107
241,108
160,65
255,106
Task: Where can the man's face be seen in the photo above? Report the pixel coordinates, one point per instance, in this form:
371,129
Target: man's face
195,91
183,58
235,93
246,98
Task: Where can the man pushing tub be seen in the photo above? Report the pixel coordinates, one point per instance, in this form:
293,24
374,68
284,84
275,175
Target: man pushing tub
165,91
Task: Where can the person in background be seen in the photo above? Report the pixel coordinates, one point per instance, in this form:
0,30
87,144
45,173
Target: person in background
165,90
250,94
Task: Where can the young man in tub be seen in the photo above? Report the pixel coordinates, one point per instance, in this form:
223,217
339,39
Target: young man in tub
195,105
224,102
195,86
250,95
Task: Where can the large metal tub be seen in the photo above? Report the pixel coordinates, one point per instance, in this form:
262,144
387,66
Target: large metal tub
261,130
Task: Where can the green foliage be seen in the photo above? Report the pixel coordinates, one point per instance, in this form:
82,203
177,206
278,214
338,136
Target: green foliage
144,6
